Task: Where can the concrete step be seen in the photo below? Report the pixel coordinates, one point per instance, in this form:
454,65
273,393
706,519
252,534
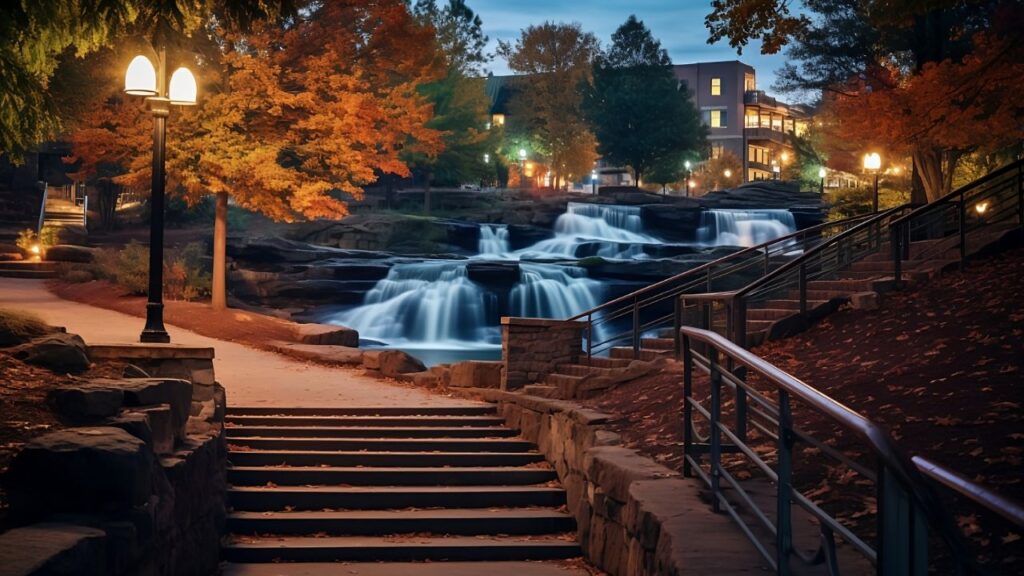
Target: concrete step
868,266
559,380
27,274
767,313
398,548
626,352
380,459
394,476
456,521
469,410
364,421
819,294
848,286
790,304
668,344
263,498
406,569
383,444
582,370
541,390
602,362
369,432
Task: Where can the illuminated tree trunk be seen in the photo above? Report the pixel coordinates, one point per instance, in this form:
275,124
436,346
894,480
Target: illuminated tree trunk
219,297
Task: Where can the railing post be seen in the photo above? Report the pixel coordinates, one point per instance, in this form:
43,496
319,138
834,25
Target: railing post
590,338
963,231
739,321
42,208
714,432
687,409
896,239
709,280
803,289
677,324
783,497
636,328
766,266
902,529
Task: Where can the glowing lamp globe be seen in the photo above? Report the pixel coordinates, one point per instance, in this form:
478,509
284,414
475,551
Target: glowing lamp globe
182,89
872,161
140,80
821,172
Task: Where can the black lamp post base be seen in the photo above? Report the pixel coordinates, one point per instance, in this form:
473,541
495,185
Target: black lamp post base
154,332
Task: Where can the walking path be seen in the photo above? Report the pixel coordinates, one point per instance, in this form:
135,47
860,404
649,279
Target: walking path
251,377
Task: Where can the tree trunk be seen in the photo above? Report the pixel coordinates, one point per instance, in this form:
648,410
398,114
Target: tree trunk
928,163
917,195
219,296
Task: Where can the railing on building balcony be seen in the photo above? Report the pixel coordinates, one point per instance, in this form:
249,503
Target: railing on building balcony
759,98
758,133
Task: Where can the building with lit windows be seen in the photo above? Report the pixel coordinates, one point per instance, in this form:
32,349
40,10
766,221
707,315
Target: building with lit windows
755,127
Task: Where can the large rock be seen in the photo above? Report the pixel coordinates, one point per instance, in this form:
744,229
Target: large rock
53,549
324,334
86,403
87,470
493,273
476,374
391,362
61,352
71,253
139,392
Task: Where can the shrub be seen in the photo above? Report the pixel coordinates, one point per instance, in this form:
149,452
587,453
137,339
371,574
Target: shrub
186,276
28,240
17,327
77,276
133,268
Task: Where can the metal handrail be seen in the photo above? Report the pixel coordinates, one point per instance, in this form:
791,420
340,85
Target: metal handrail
901,481
874,219
42,208
931,206
703,268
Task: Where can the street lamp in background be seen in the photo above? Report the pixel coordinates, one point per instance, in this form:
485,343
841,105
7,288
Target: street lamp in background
821,175
687,165
776,170
142,79
873,163
593,181
522,168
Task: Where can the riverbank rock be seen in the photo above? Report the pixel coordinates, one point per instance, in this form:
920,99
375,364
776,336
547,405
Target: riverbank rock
60,352
476,374
53,549
391,363
327,334
85,403
493,272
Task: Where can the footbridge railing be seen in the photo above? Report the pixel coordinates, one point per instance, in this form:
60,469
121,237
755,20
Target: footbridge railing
994,202
624,320
743,437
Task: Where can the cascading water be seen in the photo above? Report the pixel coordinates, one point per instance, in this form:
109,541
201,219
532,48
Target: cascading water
493,240
546,291
744,227
609,231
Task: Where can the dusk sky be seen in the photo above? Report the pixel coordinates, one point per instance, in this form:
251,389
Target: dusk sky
679,24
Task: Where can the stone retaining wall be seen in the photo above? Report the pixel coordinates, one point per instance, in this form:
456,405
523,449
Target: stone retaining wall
531,348
136,486
634,516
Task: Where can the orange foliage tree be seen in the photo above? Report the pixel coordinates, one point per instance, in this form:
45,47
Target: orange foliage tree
294,117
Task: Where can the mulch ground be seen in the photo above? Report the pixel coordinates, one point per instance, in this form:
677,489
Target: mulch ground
939,366
232,325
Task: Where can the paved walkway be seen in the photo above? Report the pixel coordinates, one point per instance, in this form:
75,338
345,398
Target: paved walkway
251,377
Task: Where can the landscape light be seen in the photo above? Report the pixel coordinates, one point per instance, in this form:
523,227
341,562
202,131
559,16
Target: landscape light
35,249
981,207
487,158
728,173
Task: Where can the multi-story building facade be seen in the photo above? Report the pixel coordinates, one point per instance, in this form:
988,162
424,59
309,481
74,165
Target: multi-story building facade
755,127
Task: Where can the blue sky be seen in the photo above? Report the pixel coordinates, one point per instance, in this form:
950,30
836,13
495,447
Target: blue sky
679,24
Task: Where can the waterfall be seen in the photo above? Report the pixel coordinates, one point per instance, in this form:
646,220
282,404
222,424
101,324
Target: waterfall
583,230
744,227
425,302
546,291
493,240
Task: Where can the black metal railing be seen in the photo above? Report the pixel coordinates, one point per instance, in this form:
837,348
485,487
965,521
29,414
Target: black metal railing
624,320
994,202
727,311
762,437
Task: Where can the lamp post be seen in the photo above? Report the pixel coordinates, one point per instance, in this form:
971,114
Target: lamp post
142,79
593,182
873,163
776,170
687,165
522,168
821,175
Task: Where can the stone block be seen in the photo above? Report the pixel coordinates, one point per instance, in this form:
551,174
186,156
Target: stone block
54,550
135,424
60,352
85,403
161,423
614,468
476,374
79,470
325,334
175,393
864,300
391,362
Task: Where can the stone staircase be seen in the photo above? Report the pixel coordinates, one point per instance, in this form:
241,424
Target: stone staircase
437,484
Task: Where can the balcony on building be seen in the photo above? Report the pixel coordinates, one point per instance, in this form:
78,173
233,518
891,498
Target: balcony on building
767,119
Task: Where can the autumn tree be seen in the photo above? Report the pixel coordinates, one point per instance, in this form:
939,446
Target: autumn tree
933,81
298,115
460,104
642,116
36,36
554,60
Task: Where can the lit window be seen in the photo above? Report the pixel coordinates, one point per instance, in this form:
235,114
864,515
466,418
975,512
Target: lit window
717,119
716,151
716,86
749,84
751,119
498,119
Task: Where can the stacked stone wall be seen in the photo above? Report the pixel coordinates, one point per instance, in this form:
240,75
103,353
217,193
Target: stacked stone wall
531,348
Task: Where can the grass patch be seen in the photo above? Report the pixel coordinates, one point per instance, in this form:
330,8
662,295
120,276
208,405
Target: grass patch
17,327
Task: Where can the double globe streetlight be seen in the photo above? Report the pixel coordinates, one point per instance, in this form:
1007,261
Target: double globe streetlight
142,79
